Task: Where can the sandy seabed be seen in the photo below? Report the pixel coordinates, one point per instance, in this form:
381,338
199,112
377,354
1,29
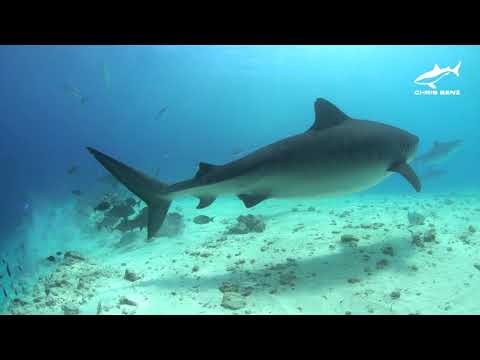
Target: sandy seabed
352,255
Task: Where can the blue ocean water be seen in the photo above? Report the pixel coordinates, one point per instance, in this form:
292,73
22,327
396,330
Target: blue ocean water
164,109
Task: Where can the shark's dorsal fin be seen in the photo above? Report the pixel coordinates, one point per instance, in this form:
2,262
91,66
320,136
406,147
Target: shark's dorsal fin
327,115
204,168
436,67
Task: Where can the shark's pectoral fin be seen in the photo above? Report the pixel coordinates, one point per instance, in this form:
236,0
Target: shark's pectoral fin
205,201
252,200
407,172
431,85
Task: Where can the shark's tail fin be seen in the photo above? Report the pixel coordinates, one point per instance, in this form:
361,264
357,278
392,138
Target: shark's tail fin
145,187
456,69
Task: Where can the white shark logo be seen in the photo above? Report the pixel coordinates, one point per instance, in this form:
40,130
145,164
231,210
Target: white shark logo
431,77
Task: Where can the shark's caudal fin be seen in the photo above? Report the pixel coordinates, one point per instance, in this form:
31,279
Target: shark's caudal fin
145,187
456,69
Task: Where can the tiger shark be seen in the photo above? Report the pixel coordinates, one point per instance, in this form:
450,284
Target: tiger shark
336,155
432,173
439,152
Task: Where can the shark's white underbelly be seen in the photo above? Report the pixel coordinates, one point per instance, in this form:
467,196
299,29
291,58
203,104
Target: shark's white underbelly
327,180
331,181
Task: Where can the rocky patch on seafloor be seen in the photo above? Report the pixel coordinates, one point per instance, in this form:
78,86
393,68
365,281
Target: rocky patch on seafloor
233,301
63,290
272,279
131,276
52,259
348,239
419,238
247,224
467,236
72,257
415,219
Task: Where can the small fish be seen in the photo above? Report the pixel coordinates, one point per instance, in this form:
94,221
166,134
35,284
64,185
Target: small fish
76,93
202,219
431,77
72,170
20,268
106,77
77,192
103,206
8,271
5,292
161,112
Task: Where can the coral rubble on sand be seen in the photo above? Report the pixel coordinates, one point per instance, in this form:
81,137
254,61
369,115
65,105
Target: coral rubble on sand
368,254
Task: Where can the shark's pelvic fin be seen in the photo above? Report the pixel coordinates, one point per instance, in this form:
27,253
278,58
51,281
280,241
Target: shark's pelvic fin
252,200
205,201
408,173
327,115
143,186
204,168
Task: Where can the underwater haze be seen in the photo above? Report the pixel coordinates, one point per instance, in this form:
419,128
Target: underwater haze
73,238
